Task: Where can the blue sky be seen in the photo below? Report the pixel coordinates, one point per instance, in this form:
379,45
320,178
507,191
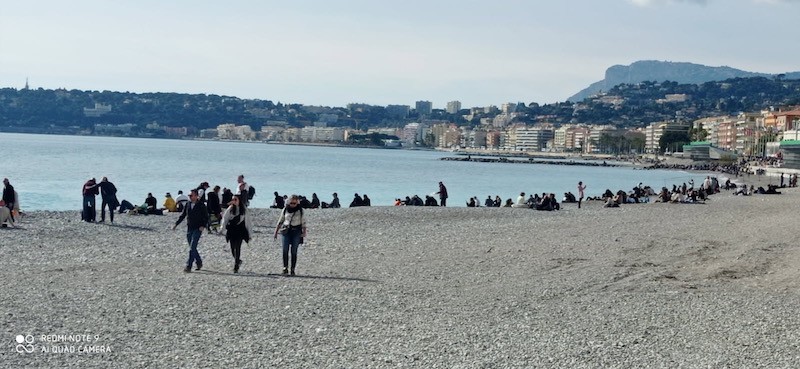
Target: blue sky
332,53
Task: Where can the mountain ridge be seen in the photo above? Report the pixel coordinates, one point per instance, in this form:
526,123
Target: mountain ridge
660,71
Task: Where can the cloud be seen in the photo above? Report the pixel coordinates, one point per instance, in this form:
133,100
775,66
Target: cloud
645,3
659,2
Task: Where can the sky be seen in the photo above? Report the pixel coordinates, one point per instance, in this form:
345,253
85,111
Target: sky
331,53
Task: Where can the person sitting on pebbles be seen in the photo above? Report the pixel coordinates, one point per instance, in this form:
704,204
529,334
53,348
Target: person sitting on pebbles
5,216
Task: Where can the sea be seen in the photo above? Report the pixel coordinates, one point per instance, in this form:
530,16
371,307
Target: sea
48,171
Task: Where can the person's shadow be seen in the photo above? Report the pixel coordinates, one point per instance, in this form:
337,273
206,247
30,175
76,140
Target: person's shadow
277,275
131,227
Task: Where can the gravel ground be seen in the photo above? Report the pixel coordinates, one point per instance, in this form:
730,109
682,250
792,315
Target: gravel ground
648,285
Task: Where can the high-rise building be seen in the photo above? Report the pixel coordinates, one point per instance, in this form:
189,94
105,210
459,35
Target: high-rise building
424,107
453,107
508,108
397,111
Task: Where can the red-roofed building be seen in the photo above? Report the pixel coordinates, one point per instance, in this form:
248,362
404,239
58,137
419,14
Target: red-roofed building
787,120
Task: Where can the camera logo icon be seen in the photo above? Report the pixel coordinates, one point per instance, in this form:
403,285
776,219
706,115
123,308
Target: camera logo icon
25,344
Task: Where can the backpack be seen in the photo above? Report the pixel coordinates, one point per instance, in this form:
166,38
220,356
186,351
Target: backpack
251,193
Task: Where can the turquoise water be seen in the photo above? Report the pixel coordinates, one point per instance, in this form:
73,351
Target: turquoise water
49,171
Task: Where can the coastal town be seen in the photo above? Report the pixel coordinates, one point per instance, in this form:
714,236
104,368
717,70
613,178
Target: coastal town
671,119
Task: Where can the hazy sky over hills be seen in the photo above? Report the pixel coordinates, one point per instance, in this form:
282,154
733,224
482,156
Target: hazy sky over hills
317,52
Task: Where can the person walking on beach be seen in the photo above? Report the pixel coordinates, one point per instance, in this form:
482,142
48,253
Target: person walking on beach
292,225
237,229
442,194
581,188
197,219
9,196
89,192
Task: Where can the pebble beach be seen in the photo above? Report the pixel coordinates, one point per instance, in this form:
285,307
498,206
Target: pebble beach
644,285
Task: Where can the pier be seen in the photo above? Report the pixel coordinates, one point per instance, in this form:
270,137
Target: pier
529,161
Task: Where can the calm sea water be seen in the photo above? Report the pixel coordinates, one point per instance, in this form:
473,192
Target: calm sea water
49,171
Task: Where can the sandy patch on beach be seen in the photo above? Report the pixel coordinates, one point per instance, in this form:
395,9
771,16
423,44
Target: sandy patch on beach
647,285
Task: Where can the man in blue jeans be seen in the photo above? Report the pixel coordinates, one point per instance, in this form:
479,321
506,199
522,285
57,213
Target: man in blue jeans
197,219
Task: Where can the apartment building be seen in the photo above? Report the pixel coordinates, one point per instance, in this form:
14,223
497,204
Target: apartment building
413,133
453,107
595,132
231,131
654,131
424,107
749,127
528,138
321,134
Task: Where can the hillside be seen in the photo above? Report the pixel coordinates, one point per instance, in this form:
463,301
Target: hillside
660,71
179,115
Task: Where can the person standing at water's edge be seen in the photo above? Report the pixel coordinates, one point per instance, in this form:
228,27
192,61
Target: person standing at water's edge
581,187
89,192
9,196
292,225
108,196
442,194
195,225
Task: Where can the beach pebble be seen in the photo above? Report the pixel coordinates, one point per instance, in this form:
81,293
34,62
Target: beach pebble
658,285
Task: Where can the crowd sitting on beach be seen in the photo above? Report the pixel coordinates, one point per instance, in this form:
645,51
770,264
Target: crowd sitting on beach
744,167
215,200
416,201
218,198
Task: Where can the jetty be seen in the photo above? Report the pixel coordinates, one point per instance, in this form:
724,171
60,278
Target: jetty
483,159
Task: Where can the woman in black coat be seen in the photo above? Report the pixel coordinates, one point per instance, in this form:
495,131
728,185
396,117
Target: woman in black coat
236,228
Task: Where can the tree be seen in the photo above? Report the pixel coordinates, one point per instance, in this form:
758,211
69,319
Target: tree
672,139
761,147
698,134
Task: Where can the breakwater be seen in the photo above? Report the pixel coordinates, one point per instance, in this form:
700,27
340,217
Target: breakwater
529,161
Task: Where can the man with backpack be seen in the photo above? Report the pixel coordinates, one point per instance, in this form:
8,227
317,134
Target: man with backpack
244,191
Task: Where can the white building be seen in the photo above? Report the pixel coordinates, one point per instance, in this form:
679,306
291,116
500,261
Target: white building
523,138
412,133
233,132
98,110
453,107
322,134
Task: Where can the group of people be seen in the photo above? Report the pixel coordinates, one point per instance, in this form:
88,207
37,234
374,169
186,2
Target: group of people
415,200
235,224
314,203
548,201
108,197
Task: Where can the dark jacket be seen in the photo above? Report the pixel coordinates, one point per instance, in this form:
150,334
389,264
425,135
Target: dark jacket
108,192
213,204
151,202
197,216
8,194
90,188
